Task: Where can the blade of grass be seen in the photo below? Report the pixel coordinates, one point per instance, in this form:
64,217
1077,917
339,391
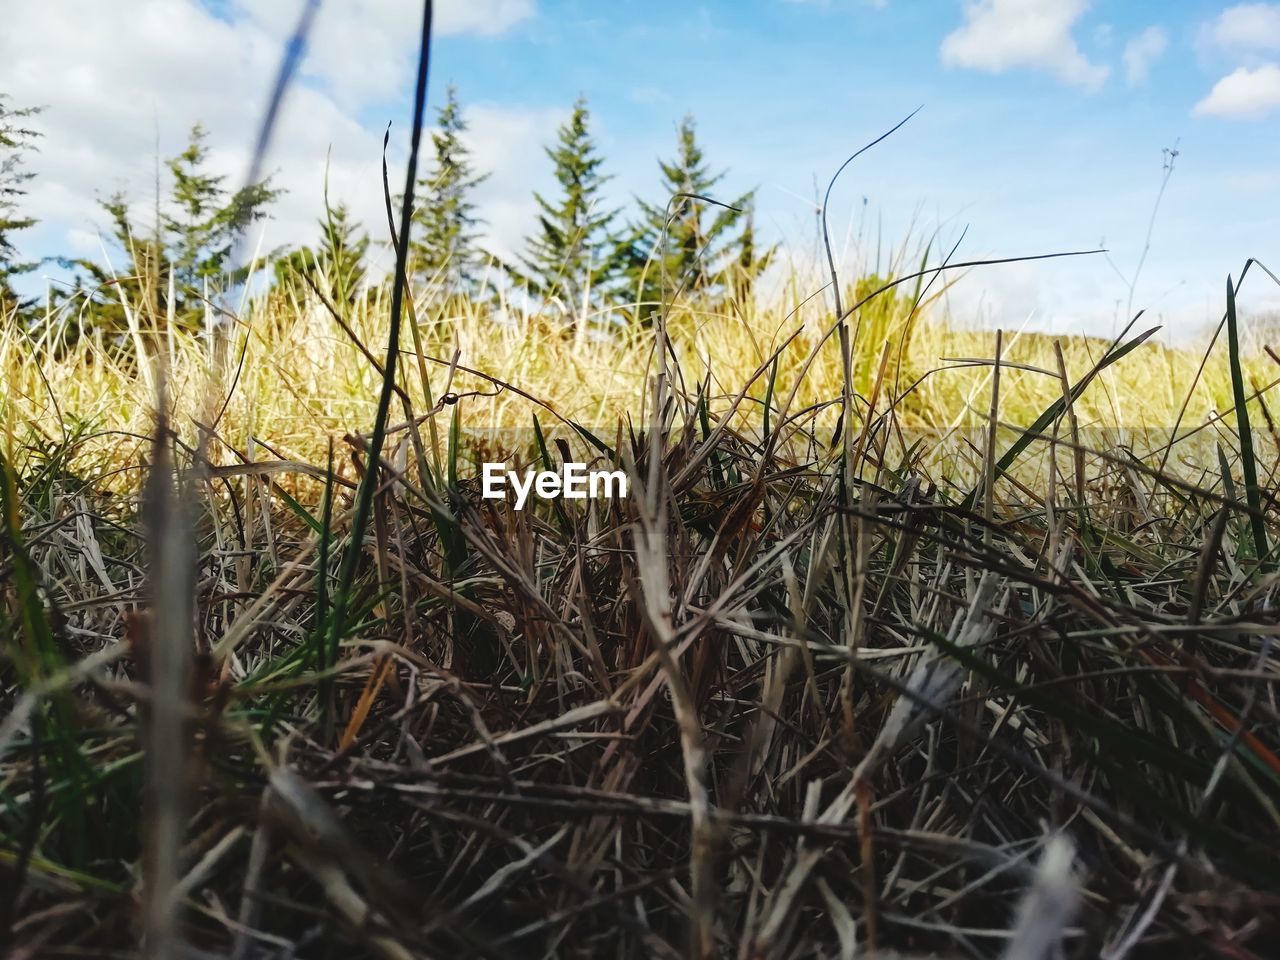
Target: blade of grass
1248,463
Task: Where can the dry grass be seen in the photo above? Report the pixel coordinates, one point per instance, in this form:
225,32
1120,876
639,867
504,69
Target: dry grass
1008,691
301,379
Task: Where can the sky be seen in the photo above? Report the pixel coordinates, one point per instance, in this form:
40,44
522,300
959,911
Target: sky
1044,125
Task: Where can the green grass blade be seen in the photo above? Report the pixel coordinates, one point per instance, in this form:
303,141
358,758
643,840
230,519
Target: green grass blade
1248,462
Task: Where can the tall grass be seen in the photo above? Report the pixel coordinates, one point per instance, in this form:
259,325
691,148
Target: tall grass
910,640
301,379
1001,681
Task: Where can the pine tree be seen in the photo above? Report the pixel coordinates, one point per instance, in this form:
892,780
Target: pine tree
16,140
572,256
199,229
336,264
752,259
206,221
445,242
691,246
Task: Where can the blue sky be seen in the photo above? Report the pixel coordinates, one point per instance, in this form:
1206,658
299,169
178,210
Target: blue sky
1042,123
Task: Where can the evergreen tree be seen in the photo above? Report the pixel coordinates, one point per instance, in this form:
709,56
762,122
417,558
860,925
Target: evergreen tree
199,229
572,255
445,242
206,222
336,265
15,140
752,260
692,246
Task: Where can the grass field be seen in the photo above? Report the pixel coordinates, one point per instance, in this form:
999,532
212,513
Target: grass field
909,640
984,669
302,375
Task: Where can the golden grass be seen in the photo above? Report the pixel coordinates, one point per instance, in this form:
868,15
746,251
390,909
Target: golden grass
300,379
790,696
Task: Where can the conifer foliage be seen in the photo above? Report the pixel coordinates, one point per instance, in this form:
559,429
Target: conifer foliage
16,139
205,221
691,246
335,265
198,230
445,241
573,255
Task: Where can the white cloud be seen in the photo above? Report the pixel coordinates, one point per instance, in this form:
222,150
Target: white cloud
485,17
1000,35
1246,26
365,51
1243,94
133,76
1143,51
507,143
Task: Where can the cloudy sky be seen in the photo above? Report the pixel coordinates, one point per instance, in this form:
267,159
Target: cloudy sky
1043,124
